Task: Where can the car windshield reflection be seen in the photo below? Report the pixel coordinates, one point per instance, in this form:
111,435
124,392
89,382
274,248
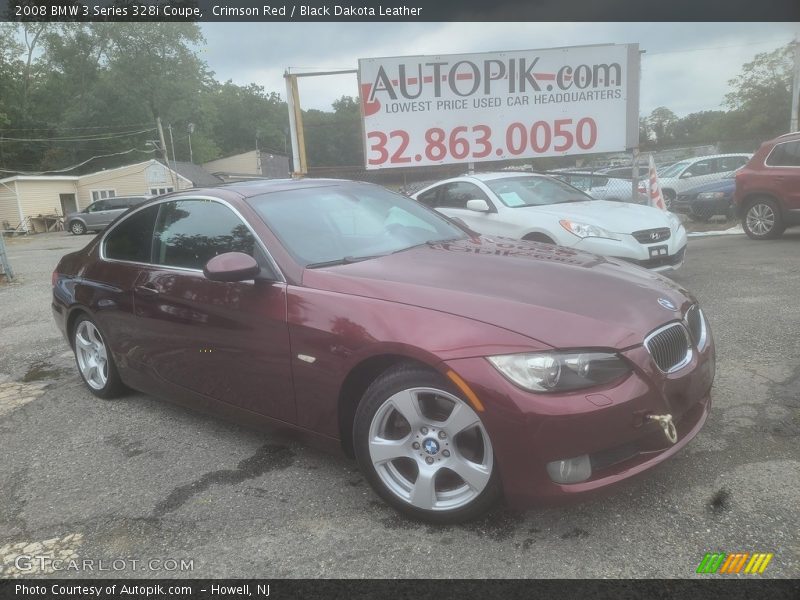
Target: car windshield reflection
325,226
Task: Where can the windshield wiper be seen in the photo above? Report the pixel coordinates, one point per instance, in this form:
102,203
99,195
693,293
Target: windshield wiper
345,260
427,243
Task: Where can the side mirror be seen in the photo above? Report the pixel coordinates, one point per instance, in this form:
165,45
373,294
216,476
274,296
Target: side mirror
478,205
686,174
231,266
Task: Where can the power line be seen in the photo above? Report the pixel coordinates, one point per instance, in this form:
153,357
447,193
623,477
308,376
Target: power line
771,42
57,128
92,138
78,165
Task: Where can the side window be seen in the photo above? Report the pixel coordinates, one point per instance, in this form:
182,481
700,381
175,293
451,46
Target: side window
598,181
429,197
132,238
702,167
784,155
98,206
189,233
455,195
582,182
731,163
119,204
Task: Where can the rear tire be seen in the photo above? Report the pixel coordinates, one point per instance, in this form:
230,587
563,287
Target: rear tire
423,449
762,220
94,359
77,228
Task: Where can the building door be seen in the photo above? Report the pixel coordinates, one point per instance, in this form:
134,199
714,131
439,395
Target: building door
68,203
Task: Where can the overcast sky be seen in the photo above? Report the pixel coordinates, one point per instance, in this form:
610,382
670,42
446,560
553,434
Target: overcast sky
686,67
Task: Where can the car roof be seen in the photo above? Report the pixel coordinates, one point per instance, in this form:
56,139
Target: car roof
696,158
787,137
498,175
257,187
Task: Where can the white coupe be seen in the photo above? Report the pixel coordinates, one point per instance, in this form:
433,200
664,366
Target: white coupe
543,209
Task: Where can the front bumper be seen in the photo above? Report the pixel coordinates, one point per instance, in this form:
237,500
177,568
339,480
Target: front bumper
629,249
609,424
712,207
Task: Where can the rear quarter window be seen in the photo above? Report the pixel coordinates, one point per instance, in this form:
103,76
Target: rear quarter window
786,154
132,238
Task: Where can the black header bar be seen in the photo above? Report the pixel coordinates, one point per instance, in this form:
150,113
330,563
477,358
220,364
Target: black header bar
399,10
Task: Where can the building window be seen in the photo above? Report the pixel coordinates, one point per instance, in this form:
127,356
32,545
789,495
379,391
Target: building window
102,194
161,191
156,174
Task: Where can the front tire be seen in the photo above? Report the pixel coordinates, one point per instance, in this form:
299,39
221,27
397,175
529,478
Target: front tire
423,449
77,228
669,197
763,220
94,360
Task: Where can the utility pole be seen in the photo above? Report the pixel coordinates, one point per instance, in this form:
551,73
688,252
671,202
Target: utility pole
163,142
191,131
795,88
172,144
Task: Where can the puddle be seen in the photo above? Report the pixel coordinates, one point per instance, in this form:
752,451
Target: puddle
40,371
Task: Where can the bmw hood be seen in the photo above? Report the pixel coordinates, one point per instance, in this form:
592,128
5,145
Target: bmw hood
558,296
616,217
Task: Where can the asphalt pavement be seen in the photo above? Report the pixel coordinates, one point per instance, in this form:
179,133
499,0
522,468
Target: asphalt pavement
140,480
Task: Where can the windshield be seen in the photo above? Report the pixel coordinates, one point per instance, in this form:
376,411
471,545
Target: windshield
347,223
673,170
534,191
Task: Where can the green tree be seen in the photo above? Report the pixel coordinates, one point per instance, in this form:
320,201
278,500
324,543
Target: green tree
761,94
662,122
246,116
334,138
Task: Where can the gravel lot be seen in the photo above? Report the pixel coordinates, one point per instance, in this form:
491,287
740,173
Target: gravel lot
141,479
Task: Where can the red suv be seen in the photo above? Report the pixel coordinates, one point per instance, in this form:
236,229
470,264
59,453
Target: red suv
768,188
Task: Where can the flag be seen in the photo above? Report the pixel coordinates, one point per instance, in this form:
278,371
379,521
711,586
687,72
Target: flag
656,198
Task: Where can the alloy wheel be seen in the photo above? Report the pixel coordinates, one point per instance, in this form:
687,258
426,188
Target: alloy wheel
92,356
761,219
77,228
430,449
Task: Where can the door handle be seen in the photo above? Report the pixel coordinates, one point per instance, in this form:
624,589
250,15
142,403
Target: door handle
146,290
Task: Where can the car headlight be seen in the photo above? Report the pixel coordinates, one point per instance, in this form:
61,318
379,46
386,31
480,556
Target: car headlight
711,196
584,230
560,371
674,221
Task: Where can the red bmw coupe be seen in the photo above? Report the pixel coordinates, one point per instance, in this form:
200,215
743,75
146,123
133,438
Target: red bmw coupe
456,368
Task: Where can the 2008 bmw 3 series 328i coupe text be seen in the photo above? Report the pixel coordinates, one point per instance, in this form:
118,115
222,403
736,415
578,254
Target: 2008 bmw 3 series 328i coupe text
456,368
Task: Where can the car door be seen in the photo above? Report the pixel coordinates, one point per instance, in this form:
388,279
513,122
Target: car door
95,216
452,199
782,176
224,341
116,206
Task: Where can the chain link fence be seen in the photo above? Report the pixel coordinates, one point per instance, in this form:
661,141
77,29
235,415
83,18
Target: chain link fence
696,180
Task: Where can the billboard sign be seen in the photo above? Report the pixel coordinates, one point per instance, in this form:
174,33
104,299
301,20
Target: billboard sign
460,108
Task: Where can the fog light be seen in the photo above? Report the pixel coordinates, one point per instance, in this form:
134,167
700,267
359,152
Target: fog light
570,470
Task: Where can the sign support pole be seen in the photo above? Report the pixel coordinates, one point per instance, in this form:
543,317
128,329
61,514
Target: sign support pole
795,88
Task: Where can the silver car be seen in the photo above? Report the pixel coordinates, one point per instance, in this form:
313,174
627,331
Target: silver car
99,214
601,186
